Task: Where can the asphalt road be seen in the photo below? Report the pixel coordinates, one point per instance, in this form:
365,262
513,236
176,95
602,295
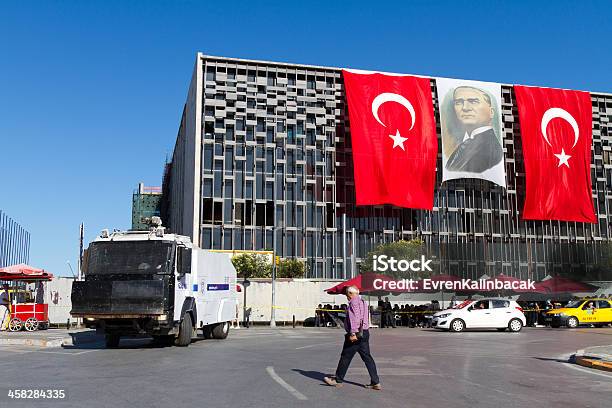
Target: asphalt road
262,367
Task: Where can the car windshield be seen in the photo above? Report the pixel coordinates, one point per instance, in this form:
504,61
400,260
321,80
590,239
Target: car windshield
129,257
462,305
574,303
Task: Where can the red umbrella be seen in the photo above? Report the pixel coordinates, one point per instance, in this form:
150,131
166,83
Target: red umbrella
436,283
24,272
365,283
560,284
491,282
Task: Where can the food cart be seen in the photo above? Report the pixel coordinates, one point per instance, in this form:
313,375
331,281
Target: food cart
26,287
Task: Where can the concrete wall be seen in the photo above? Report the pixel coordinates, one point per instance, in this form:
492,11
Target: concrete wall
57,296
300,297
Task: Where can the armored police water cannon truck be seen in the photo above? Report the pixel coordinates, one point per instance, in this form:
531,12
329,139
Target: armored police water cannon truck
157,284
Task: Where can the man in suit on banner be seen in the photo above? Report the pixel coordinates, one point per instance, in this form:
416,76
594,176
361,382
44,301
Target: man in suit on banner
477,146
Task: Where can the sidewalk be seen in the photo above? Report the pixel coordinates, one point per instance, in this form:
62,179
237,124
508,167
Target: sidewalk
599,357
49,338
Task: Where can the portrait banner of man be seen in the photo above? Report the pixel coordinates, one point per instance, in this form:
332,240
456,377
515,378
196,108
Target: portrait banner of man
470,116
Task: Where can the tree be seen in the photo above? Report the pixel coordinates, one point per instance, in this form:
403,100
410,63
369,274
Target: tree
290,268
252,266
400,250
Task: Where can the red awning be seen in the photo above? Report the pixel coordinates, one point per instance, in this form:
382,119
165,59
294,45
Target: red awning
24,272
436,278
504,278
365,283
559,284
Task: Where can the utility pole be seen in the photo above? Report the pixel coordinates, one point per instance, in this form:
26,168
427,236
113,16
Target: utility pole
344,268
81,235
273,309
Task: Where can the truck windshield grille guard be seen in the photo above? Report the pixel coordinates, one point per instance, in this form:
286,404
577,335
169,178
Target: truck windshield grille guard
136,257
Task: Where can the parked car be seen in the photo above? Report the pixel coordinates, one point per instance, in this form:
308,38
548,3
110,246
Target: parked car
582,311
488,313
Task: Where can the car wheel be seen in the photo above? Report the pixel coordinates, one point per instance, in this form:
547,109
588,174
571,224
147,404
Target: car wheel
221,330
572,322
555,326
515,325
457,325
185,332
112,340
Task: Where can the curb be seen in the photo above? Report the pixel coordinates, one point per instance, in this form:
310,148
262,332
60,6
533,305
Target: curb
43,343
595,363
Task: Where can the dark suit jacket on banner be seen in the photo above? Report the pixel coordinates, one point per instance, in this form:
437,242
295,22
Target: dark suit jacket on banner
476,155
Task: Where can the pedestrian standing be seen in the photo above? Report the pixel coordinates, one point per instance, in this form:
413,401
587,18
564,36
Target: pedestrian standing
383,314
319,316
4,307
356,340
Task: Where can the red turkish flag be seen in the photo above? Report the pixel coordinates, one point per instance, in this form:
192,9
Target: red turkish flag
556,133
394,139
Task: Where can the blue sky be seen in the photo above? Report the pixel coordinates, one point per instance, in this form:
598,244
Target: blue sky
91,92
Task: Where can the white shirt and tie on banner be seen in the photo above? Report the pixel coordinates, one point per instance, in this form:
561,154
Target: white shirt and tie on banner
470,116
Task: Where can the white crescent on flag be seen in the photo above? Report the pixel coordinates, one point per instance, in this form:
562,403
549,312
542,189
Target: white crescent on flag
392,97
552,113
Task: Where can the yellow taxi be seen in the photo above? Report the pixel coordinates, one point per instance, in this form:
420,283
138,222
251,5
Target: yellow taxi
595,311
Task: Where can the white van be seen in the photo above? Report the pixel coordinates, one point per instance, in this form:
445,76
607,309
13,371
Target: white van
486,313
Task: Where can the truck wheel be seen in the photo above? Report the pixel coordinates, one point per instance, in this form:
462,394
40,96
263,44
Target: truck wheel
221,330
112,340
207,332
185,331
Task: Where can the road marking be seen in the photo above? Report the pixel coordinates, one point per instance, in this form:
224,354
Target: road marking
284,384
65,352
316,345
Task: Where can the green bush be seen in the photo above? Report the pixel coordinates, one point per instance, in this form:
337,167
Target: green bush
290,268
252,266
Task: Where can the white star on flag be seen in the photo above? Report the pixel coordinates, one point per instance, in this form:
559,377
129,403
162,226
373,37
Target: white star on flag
563,158
398,140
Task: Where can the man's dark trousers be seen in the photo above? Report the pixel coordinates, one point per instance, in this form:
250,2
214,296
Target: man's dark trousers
361,346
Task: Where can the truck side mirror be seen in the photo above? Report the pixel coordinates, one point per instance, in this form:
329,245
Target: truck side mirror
185,261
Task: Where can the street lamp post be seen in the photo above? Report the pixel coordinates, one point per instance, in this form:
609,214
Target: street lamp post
273,307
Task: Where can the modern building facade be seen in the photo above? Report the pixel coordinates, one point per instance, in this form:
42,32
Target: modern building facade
146,203
263,161
14,242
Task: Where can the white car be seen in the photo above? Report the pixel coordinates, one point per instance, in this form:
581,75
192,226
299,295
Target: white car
488,313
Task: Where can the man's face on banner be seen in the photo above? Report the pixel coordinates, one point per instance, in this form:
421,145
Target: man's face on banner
472,107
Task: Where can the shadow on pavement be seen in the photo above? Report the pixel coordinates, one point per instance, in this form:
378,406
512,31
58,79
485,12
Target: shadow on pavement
91,340
317,375
570,360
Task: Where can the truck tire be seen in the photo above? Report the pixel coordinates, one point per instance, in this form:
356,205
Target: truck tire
185,332
207,332
221,330
112,340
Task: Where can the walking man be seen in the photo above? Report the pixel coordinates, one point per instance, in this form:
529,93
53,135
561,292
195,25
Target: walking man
356,340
